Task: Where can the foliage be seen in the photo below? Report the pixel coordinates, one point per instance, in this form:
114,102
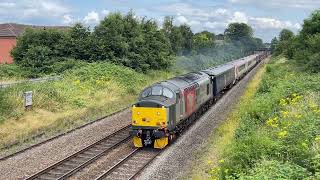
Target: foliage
10,71
279,128
204,41
273,169
273,45
121,39
241,34
303,48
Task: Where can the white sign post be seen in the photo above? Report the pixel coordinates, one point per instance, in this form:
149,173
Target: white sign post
28,100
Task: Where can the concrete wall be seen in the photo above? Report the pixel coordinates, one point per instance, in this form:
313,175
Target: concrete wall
6,44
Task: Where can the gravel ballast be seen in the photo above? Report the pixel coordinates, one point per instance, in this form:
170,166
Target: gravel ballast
176,160
31,161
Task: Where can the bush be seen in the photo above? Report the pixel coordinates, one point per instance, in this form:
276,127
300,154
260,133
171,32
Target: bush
273,169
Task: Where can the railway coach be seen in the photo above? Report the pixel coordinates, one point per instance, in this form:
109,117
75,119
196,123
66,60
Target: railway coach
165,108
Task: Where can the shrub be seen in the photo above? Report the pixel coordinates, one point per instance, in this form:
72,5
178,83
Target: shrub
273,169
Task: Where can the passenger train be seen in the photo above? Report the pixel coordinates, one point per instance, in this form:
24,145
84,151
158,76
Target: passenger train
165,108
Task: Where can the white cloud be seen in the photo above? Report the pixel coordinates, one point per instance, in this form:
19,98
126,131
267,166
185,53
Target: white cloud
181,19
42,8
30,9
91,18
215,25
105,12
270,23
67,19
304,4
239,17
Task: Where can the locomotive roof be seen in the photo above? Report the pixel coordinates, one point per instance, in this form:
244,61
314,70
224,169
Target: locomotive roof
218,70
185,80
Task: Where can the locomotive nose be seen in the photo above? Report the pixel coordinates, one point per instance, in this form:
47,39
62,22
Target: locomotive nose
149,126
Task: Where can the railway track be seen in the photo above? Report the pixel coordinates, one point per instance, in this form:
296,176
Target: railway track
130,166
77,161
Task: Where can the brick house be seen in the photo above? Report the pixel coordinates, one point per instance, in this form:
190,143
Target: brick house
8,38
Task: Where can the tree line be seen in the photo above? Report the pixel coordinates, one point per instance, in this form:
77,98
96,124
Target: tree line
138,43
303,48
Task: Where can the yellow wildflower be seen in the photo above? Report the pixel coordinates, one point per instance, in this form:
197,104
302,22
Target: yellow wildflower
282,134
283,102
221,161
298,116
285,113
317,138
77,82
273,122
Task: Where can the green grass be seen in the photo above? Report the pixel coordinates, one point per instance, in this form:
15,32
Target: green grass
85,93
278,135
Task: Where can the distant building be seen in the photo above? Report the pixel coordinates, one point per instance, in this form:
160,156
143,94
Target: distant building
8,38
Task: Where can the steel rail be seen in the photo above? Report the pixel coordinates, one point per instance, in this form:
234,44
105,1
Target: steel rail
84,157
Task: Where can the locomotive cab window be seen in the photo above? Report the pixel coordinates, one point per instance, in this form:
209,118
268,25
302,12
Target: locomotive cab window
146,93
156,90
167,93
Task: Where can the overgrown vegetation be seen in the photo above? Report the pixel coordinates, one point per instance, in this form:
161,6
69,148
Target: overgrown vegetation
278,135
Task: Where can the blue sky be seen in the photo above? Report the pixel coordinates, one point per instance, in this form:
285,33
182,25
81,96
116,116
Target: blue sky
267,17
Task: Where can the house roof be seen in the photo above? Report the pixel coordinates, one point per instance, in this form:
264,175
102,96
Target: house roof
14,30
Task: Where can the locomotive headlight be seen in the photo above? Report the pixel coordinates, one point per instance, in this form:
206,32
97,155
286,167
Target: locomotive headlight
158,113
138,113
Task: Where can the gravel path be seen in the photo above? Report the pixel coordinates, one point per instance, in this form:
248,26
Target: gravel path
177,159
38,158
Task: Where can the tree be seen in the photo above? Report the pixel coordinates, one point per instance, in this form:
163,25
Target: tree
311,25
238,32
306,44
77,44
203,41
284,46
285,35
273,45
187,38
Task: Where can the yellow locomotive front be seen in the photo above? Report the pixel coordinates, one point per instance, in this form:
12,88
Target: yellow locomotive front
151,117
151,125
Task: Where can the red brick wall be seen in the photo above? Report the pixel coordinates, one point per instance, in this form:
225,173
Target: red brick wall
6,44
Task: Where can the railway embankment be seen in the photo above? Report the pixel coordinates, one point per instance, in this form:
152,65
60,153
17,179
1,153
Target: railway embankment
272,133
